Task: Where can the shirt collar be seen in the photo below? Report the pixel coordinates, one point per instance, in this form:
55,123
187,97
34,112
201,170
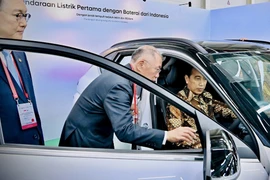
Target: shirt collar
196,97
3,55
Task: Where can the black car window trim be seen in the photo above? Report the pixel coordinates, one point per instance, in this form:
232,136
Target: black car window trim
119,54
237,52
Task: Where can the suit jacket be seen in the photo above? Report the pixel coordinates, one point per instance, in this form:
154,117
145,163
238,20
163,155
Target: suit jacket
103,109
10,121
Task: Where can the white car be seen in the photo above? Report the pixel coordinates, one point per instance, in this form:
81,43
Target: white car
238,74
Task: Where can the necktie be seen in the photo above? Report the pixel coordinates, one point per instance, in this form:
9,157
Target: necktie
11,66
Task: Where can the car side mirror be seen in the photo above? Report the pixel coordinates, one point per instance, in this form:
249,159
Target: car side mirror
221,157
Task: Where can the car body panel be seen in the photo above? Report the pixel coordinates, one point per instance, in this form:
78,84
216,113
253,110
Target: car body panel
83,163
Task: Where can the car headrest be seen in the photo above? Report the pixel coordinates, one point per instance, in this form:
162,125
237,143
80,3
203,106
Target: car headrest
173,77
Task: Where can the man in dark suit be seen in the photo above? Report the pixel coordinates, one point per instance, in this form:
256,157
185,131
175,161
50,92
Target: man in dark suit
18,110
104,108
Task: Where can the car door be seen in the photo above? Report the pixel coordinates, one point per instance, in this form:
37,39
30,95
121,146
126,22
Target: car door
247,151
29,162
51,162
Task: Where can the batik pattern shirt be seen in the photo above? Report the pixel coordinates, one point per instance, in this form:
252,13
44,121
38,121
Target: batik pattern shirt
203,102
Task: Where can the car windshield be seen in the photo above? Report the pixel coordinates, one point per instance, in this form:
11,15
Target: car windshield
249,72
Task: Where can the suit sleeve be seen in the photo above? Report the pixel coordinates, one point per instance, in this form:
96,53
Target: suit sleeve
117,106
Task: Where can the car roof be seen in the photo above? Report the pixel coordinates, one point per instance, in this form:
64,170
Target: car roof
176,42
203,46
234,45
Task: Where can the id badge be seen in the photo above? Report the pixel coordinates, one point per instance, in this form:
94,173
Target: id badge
136,117
27,115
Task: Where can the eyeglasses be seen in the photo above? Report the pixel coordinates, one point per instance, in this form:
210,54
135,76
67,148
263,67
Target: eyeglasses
19,16
157,69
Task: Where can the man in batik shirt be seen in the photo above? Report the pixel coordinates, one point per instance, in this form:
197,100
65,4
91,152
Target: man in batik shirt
195,94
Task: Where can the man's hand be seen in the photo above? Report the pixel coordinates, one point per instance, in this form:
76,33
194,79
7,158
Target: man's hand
181,134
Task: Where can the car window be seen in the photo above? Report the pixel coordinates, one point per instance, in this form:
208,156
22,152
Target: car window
247,74
125,60
249,70
55,80
172,77
122,58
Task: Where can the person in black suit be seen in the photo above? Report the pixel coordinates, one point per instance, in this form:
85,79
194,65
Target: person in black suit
16,88
104,108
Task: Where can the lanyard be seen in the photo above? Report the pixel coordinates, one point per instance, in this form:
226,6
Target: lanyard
11,85
135,101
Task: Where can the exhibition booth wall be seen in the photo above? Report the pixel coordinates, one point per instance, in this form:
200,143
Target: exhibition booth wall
250,22
96,25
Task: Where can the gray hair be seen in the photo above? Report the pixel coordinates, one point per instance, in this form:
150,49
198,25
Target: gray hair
146,49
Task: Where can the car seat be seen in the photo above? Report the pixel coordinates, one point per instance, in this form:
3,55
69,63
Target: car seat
172,75
171,78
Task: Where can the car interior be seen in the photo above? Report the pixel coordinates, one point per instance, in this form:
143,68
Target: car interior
172,78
